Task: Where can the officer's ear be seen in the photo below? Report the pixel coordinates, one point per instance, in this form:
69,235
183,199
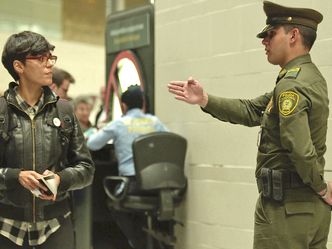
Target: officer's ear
294,34
18,66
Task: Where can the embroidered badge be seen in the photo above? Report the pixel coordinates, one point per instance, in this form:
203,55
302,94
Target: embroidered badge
287,102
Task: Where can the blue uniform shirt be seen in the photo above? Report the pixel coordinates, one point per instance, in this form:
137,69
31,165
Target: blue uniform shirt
123,131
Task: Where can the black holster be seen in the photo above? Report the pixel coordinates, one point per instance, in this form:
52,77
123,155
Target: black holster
270,184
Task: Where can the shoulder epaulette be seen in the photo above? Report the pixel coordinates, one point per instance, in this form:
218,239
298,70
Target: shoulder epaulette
292,73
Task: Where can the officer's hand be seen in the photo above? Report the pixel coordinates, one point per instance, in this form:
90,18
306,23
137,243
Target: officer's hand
189,91
327,197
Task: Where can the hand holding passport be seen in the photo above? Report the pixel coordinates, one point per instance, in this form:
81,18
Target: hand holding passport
49,183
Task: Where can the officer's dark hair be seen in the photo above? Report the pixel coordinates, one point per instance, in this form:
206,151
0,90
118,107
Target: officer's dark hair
59,75
21,45
308,34
133,97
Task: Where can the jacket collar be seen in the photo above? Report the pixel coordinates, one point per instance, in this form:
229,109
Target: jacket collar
134,111
49,96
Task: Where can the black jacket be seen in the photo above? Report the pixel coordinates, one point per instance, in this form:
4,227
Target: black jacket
40,144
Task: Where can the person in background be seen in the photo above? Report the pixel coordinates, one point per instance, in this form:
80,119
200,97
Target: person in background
61,81
39,143
123,131
82,109
293,209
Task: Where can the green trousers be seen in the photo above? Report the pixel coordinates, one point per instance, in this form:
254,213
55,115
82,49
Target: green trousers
301,221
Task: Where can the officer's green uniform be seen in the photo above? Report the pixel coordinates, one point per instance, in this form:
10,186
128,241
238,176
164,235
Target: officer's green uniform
293,119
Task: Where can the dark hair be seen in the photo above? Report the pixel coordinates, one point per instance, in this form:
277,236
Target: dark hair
133,97
59,75
308,34
20,45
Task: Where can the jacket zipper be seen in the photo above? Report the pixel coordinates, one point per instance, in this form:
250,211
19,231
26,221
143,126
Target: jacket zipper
33,130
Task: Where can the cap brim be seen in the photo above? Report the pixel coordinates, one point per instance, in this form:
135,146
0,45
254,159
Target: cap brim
263,33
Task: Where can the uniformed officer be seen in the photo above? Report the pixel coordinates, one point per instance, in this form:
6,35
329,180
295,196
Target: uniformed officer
293,209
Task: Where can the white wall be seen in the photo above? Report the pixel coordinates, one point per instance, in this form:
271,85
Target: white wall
85,62
215,42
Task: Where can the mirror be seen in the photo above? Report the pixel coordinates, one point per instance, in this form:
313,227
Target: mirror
125,71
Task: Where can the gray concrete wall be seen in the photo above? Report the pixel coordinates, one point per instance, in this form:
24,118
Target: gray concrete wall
214,41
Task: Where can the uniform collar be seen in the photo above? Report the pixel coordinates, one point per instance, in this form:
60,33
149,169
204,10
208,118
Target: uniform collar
303,59
293,66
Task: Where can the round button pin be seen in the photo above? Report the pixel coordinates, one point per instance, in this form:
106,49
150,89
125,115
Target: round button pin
56,122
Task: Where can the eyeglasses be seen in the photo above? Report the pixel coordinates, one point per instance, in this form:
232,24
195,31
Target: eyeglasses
43,58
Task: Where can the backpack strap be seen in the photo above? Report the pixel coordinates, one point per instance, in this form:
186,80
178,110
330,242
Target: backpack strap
66,112
4,137
66,116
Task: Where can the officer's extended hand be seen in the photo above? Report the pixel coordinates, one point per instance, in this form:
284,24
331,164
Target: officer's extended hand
189,91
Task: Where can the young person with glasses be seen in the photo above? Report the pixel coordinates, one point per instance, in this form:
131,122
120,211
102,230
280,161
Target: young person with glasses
38,142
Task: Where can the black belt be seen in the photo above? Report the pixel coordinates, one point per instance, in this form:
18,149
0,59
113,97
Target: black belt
289,180
273,183
292,180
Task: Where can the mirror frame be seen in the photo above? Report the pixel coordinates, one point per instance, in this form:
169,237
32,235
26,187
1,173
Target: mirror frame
113,83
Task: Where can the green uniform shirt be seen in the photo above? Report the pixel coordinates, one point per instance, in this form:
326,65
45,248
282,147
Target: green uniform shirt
293,119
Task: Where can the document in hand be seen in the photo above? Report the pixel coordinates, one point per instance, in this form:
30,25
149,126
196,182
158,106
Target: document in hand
49,182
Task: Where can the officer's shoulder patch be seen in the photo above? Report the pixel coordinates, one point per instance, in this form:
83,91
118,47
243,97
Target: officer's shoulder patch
292,73
287,102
